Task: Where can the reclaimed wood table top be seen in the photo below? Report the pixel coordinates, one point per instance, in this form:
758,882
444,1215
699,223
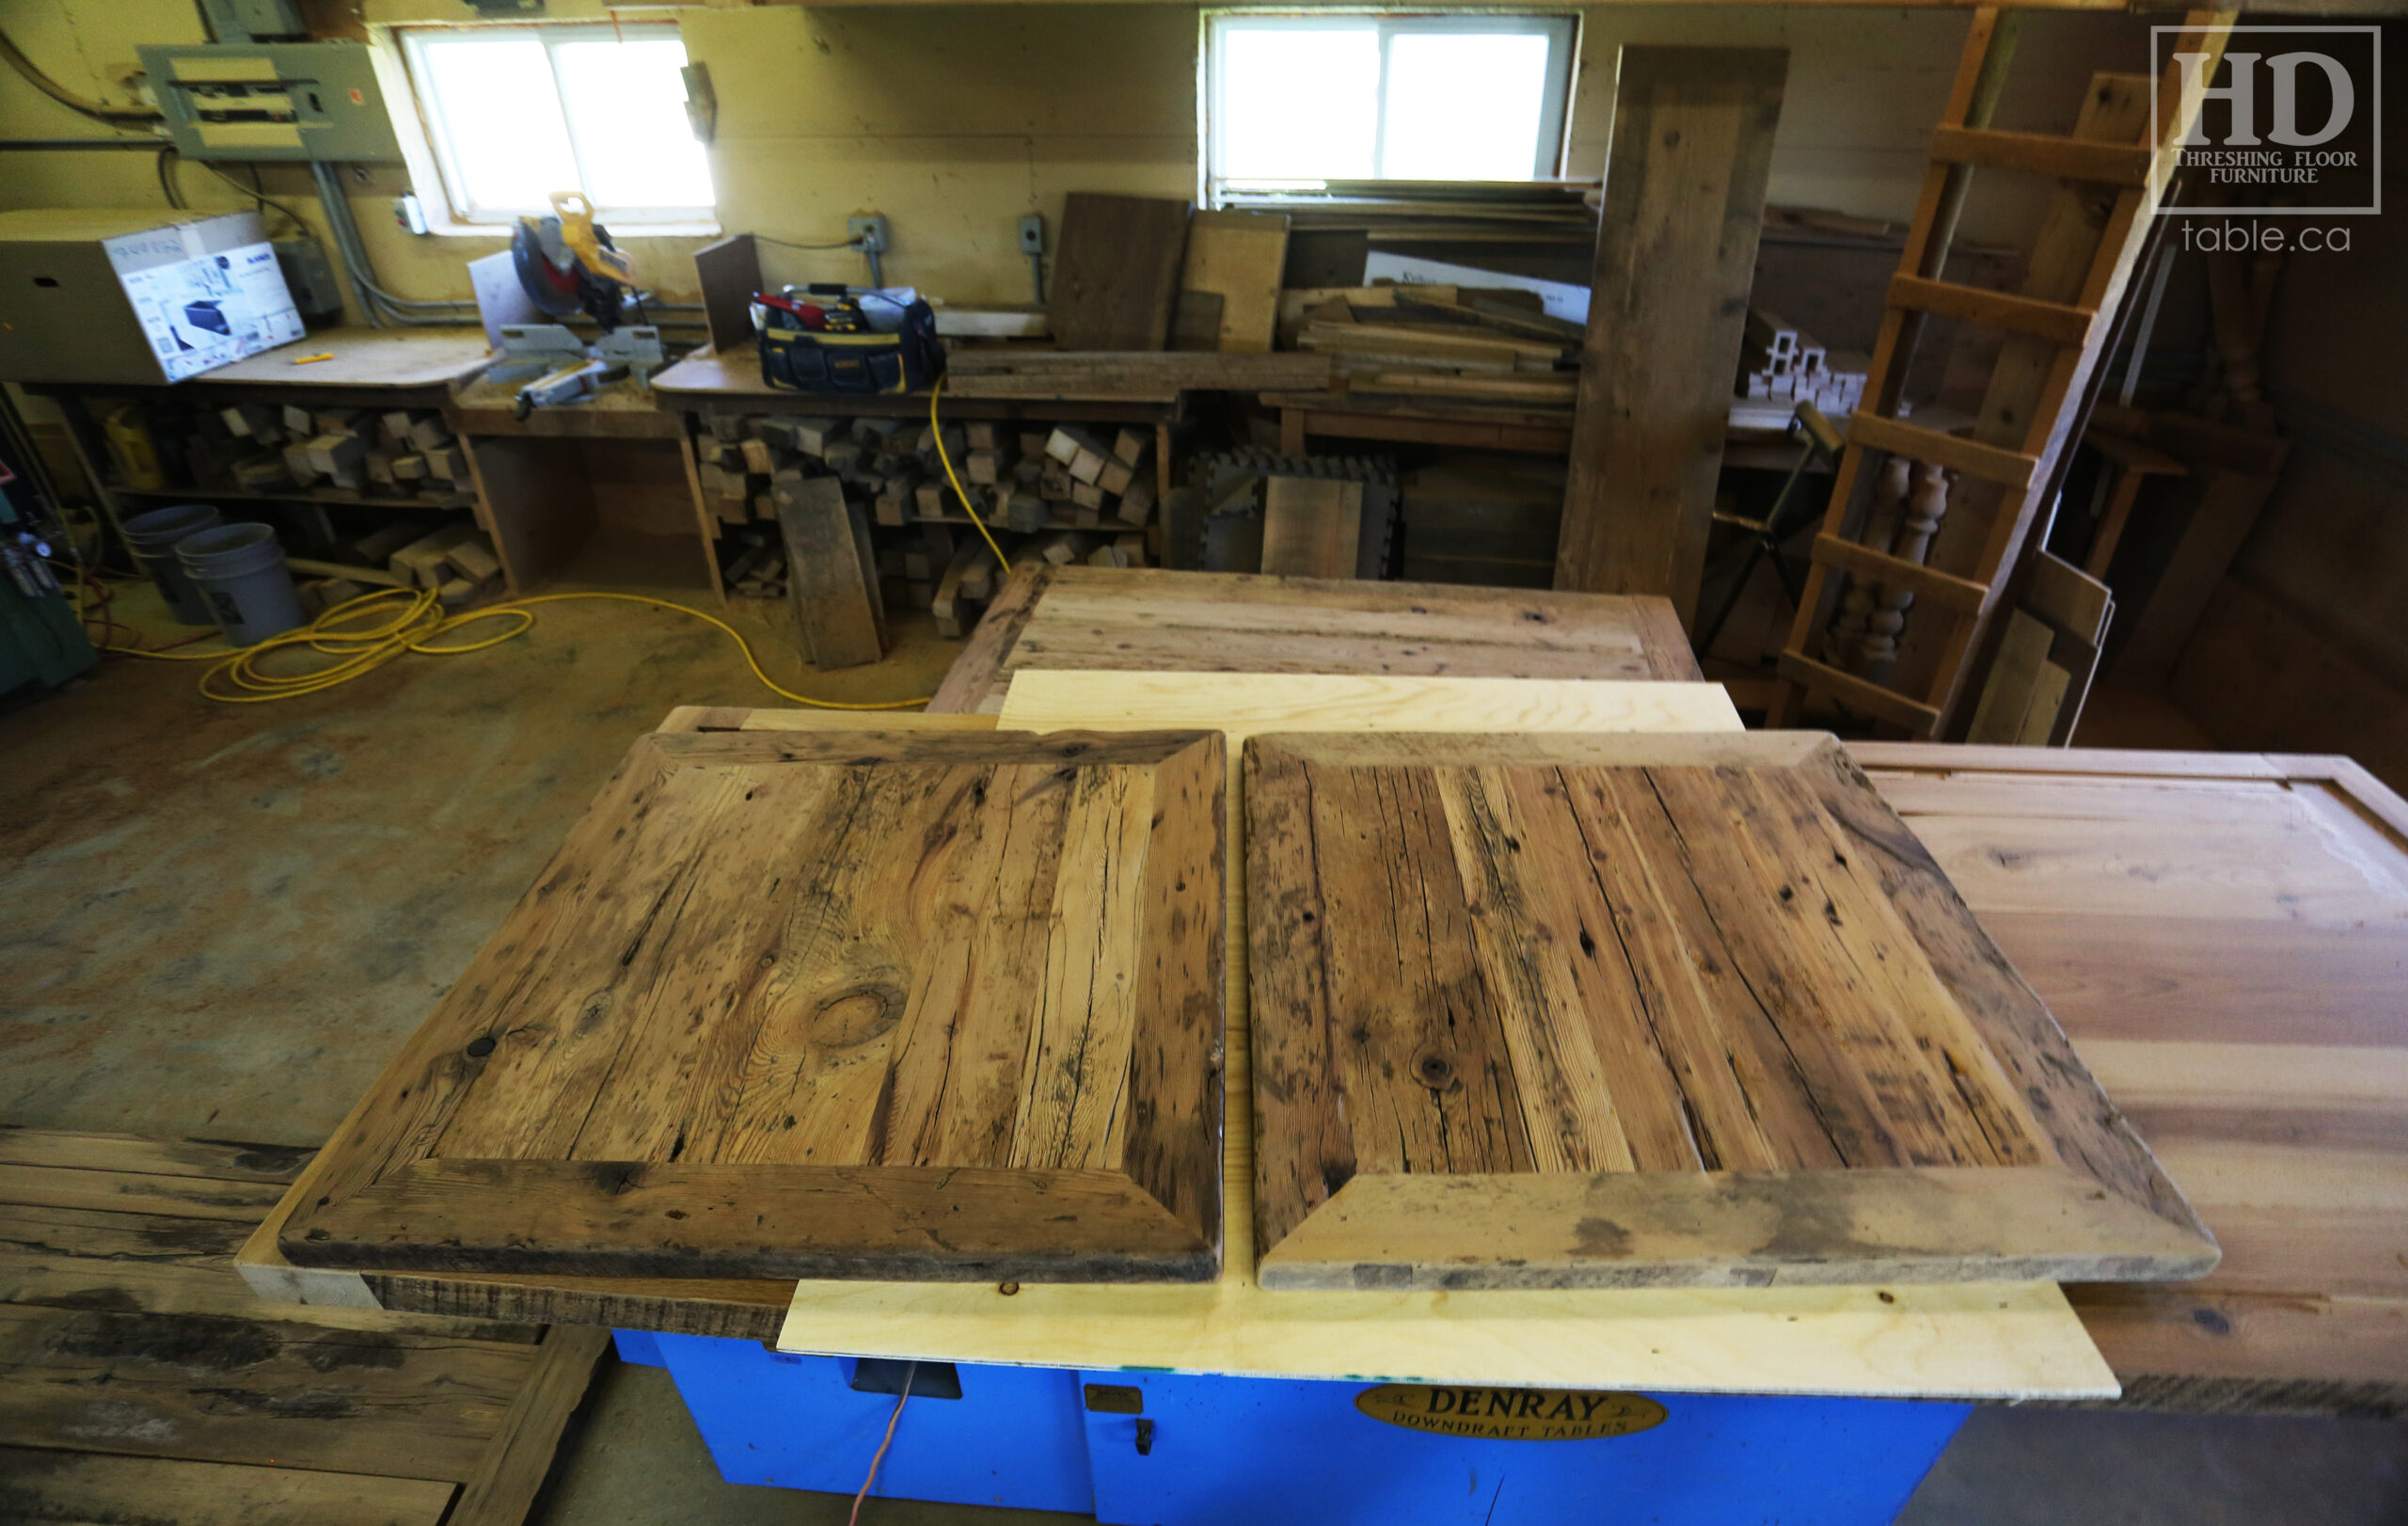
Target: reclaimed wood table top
1151,618
1633,1010
925,1003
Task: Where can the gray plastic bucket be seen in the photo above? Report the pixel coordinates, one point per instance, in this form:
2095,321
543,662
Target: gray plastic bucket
240,569
151,536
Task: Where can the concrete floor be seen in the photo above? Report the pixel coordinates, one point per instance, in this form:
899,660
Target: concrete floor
220,920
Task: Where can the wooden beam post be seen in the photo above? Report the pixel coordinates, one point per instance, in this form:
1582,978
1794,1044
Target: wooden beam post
1676,255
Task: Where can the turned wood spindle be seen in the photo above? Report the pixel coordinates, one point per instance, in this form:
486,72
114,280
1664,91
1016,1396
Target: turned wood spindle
1850,626
1927,505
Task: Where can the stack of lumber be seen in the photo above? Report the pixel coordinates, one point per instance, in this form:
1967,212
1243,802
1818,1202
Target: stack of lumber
1415,212
1490,353
331,452
140,1380
1778,362
1059,493
1122,375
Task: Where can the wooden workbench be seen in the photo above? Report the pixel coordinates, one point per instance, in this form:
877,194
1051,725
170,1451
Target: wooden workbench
2224,936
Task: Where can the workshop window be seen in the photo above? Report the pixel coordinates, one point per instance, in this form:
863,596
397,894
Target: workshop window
515,113
1294,101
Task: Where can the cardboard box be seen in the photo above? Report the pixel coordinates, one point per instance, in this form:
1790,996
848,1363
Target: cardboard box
136,297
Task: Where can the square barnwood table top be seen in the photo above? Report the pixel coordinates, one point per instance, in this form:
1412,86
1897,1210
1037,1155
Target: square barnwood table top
1651,1011
914,1004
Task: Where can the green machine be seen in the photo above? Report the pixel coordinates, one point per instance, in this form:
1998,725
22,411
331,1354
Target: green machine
42,641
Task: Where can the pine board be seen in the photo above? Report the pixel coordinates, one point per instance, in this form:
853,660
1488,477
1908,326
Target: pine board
1116,271
917,1004
1238,257
2225,937
1594,1012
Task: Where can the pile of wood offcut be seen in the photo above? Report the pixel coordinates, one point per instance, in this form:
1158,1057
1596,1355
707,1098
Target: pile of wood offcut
1058,493
1492,346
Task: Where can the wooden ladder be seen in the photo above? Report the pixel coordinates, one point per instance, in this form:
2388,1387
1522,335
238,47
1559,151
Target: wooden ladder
1898,562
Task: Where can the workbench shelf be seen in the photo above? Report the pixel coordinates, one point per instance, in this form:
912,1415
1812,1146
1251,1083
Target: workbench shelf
448,503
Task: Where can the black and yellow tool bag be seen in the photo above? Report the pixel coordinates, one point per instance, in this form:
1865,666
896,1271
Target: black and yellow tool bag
905,357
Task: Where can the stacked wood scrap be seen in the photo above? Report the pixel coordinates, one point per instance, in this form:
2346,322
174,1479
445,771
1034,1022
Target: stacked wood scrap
259,448
450,558
1418,212
140,1380
1121,375
1258,511
1060,492
1778,362
1490,353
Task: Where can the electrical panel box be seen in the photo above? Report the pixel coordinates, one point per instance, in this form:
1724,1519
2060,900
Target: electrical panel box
136,297
309,276
269,101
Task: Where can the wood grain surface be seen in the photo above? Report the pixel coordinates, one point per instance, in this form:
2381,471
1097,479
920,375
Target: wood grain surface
1576,1010
2225,937
917,1003
1242,704
140,1381
1220,622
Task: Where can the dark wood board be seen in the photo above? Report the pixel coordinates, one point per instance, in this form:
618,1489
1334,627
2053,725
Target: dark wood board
1581,1011
831,574
1116,271
1676,253
907,1004
728,272
140,1380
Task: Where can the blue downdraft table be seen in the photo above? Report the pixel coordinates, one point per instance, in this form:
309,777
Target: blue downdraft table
1158,1449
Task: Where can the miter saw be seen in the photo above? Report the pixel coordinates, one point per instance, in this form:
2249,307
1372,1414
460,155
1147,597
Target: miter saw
568,265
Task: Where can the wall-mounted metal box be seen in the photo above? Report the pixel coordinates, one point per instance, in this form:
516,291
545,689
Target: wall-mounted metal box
271,101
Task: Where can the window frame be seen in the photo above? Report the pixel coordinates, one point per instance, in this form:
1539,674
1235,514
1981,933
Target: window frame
1562,29
410,38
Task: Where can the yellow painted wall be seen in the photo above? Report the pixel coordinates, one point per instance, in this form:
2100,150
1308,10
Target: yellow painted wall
955,121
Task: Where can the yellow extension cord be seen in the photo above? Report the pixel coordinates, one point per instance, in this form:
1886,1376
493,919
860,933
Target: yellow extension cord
416,623
413,627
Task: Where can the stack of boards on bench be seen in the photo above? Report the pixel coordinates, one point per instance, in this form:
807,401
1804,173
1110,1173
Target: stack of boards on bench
1533,1004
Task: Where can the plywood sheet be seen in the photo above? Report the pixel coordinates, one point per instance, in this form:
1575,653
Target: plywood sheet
1584,1012
920,1004
1116,271
1242,704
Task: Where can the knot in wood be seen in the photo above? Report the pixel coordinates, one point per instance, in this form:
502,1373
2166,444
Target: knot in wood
1434,1069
